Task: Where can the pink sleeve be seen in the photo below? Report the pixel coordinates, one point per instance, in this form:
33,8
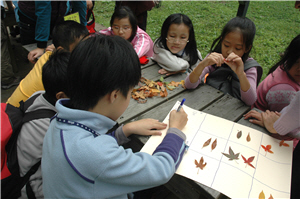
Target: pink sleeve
250,96
106,31
280,96
190,85
290,118
142,44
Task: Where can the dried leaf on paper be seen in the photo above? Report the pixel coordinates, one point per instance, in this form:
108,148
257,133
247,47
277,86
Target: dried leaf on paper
271,197
267,148
232,155
248,138
261,195
206,143
214,144
248,161
239,134
282,143
200,164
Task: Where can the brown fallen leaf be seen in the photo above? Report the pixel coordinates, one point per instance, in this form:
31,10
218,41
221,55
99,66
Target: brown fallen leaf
206,143
248,138
239,134
200,165
214,144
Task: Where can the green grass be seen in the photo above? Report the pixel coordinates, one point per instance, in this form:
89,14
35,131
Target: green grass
277,23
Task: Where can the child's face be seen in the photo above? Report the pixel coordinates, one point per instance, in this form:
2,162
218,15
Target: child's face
295,71
122,28
233,42
177,38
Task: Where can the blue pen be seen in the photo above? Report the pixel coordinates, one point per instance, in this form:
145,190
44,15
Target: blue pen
179,107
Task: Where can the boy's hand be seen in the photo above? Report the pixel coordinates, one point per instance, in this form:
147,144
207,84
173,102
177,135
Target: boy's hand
144,127
269,119
257,117
50,47
178,119
35,54
235,62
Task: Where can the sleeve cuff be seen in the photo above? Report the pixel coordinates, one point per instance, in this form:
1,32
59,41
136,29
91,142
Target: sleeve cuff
120,136
177,132
41,44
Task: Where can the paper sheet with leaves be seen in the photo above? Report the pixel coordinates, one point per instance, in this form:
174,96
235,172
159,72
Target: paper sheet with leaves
234,159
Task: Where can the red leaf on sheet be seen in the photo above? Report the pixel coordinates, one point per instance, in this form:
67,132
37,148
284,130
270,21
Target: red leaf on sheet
200,164
206,143
271,197
267,148
282,143
239,134
214,144
248,161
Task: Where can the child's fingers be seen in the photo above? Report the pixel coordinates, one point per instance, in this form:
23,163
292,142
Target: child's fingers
154,132
247,115
159,126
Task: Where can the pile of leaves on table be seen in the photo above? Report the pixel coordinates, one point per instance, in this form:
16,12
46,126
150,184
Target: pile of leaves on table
149,88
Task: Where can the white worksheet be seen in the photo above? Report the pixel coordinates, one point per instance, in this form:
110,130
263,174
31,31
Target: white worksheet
236,160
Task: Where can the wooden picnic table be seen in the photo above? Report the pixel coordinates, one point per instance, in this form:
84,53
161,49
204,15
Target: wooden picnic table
204,98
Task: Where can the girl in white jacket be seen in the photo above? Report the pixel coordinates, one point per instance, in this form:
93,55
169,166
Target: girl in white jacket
176,48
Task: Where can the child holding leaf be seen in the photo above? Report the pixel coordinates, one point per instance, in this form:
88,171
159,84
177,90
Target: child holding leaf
82,156
228,67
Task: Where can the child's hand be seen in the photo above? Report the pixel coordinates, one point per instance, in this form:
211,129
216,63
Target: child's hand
214,58
257,117
178,119
50,47
269,119
144,127
235,62
167,73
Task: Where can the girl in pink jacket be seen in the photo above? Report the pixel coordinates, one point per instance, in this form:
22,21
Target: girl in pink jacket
124,24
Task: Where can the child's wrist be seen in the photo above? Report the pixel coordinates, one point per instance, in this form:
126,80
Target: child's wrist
127,130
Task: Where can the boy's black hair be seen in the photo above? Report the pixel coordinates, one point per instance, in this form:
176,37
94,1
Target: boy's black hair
125,12
67,32
289,58
247,28
191,46
99,65
54,74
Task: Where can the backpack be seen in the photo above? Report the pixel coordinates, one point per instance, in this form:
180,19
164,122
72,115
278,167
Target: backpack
12,119
225,80
90,22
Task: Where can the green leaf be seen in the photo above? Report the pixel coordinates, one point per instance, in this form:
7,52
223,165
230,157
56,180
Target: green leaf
232,155
161,79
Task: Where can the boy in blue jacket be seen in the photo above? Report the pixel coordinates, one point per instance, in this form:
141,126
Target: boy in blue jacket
82,156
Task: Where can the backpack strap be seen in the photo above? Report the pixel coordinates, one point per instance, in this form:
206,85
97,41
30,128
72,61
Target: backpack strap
29,191
253,63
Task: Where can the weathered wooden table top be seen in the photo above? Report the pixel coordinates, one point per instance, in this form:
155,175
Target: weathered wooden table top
204,98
